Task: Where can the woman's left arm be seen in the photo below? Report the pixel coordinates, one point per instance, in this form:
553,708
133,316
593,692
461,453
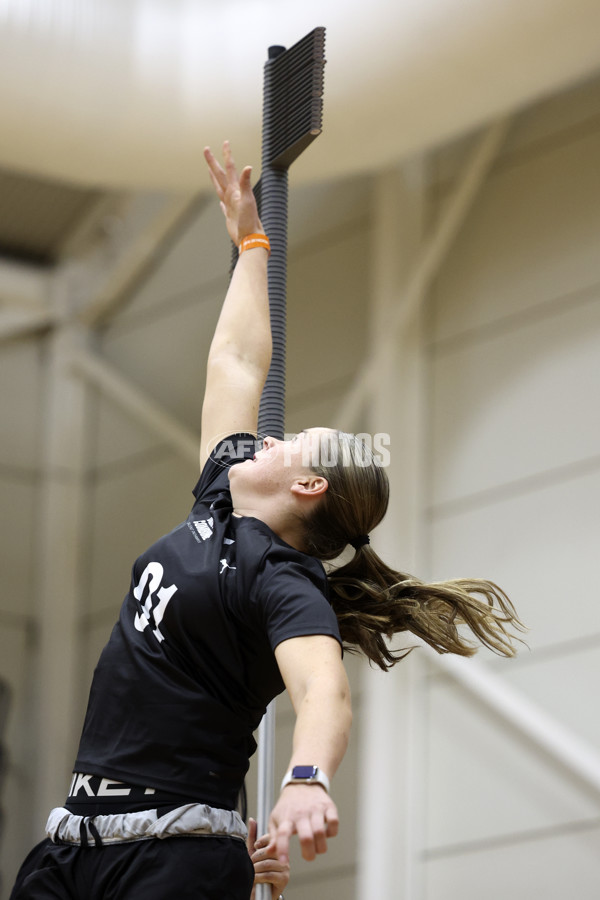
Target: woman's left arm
317,683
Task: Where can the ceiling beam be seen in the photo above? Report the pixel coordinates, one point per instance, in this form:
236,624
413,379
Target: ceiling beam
133,240
17,324
574,754
137,403
23,286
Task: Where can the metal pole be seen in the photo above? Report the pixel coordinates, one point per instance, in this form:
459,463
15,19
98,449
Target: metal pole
266,764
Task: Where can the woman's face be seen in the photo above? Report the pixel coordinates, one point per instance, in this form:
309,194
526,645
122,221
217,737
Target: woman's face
279,464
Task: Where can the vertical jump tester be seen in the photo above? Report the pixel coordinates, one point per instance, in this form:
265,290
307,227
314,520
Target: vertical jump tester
292,119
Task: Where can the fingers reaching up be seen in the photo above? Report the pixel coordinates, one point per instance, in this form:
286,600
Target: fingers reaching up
235,194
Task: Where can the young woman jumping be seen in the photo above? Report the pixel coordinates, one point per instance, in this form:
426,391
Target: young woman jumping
222,614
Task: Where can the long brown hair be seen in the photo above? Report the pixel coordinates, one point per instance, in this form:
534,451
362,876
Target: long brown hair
372,602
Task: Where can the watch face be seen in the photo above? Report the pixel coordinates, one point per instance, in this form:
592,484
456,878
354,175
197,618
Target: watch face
304,771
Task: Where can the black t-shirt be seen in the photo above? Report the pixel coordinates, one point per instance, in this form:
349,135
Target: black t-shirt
189,668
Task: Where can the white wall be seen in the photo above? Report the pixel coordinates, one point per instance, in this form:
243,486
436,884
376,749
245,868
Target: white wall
514,480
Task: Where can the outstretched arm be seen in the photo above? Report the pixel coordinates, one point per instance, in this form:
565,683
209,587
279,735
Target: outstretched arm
240,352
316,680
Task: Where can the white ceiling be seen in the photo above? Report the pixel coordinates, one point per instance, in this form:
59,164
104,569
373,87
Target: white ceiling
125,93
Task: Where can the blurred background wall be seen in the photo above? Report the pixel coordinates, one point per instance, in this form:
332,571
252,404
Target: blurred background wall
464,276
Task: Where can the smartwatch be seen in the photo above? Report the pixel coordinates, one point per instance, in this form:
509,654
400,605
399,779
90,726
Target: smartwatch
306,775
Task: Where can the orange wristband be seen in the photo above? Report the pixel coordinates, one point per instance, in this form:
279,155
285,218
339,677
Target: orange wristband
251,241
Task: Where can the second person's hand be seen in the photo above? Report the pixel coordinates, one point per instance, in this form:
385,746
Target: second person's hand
267,868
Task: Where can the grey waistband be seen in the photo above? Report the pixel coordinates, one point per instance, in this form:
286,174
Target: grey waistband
193,819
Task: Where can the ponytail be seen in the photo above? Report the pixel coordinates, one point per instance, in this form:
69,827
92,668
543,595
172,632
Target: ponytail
373,602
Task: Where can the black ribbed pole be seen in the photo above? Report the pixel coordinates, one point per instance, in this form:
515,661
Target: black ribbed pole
273,212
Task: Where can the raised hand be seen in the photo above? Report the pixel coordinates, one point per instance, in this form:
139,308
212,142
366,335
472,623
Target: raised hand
235,195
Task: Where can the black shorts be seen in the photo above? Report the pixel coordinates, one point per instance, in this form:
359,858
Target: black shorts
202,868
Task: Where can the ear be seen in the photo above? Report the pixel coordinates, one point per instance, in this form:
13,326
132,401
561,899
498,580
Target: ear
309,486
